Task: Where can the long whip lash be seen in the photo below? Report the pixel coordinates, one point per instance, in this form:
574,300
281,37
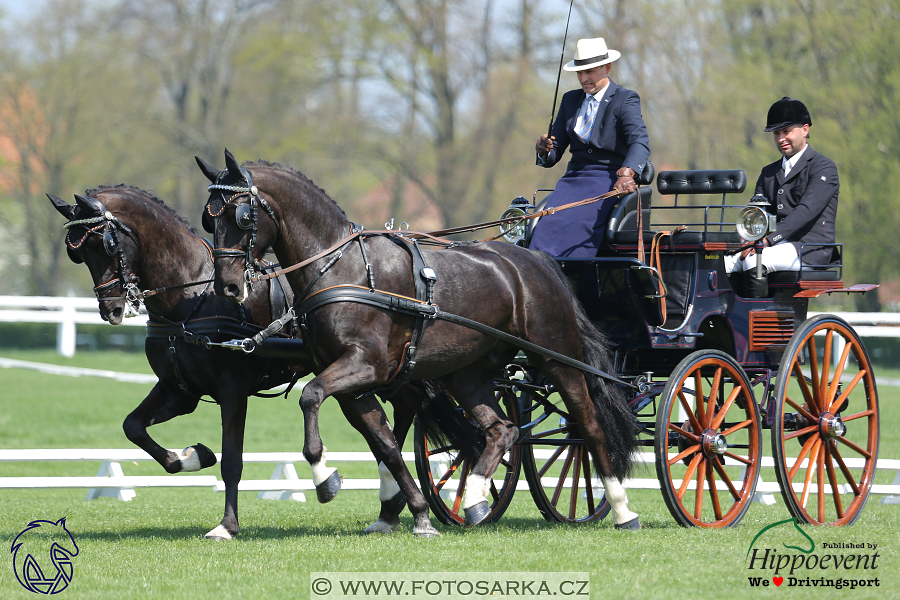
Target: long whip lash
562,55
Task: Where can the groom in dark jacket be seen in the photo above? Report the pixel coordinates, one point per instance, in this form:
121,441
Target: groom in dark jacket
802,188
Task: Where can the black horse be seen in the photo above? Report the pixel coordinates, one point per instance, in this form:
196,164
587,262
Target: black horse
360,345
131,241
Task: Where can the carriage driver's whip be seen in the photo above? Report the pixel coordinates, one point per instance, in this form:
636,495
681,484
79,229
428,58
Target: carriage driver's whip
562,55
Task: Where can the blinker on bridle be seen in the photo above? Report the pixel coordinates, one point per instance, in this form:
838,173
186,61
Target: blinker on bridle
246,217
108,226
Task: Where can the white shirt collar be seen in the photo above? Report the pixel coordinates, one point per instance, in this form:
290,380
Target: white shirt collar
788,164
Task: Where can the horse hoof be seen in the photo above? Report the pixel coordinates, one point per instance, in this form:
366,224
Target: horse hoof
219,534
478,513
328,489
196,457
382,526
395,505
632,525
426,532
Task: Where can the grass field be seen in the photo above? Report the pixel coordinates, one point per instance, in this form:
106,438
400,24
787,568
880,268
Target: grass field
153,546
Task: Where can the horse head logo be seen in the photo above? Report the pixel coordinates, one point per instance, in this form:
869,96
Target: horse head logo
36,548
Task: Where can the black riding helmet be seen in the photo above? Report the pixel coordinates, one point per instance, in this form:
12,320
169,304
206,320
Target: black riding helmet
785,112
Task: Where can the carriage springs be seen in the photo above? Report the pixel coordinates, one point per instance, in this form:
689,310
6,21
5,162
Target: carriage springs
777,563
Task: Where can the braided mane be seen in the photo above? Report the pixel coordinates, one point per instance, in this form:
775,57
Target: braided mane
304,180
123,187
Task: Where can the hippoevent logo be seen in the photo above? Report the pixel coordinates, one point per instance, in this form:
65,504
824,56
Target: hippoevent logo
42,556
803,563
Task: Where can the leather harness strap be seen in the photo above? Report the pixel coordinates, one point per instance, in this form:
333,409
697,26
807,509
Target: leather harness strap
656,263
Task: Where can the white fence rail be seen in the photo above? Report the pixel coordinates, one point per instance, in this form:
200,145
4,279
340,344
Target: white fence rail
70,312
285,484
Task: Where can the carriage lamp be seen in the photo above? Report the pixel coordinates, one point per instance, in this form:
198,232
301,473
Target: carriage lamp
516,232
754,222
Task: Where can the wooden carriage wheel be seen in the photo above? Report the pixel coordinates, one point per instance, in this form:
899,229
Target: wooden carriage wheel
825,428
443,472
560,471
708,441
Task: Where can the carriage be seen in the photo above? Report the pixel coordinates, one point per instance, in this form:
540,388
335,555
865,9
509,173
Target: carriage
708,368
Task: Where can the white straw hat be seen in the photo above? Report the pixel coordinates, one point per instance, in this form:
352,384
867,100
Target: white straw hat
591,53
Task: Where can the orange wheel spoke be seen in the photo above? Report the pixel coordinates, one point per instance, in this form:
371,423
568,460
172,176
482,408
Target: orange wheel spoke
550,432
832,479
809,471
698,493
804,387
713,492
800,410
698,399
717,422
739,458
691,436
576,477
737,427
689,410
856,448
847,474
457,502
450,471
814,373
713,397
826,364
820,480
588,484
727,480
804,451
850,386
684,454
799,432
689,474
838,373
853,417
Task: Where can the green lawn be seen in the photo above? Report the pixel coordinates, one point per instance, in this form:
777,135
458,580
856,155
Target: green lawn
153,546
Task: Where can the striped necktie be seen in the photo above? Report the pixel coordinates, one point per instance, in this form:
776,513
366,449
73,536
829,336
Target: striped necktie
587,123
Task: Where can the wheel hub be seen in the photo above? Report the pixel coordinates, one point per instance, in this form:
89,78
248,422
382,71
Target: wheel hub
831,426
713,443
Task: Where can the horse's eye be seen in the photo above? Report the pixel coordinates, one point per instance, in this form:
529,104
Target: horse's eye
109,243
243,217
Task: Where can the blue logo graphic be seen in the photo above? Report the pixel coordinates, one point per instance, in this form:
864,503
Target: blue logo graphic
42,556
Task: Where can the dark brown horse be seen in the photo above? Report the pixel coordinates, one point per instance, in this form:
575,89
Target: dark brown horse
131,241
359,346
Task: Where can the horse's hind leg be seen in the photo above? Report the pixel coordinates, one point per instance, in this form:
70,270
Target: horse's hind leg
369,418
572,387
475,393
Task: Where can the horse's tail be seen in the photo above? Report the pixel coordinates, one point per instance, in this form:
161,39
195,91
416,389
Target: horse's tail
616,418
444,423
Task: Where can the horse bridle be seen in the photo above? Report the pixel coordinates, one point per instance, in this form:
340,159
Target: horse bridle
109,226
246,217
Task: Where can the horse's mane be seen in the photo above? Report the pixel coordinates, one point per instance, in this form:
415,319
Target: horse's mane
294,172
123,187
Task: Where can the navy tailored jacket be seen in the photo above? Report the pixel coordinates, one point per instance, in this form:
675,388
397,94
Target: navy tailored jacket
618,139
805,203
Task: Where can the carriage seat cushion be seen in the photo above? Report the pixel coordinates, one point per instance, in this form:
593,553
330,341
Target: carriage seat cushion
809,273
623,214
701,182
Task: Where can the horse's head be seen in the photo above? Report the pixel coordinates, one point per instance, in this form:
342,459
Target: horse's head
242,231
97,238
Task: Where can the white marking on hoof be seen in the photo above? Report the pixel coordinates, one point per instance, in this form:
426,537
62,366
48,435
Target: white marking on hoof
382,526
618,500
477,490
219,533
388,487
190,460
321,471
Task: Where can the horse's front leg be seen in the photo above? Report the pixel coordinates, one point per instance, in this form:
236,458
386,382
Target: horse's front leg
159,406
233,405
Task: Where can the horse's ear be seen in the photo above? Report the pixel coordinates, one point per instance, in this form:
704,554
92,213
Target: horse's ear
211,172
64,208
232,164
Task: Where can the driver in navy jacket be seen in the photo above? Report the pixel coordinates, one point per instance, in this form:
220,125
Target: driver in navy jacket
602,126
